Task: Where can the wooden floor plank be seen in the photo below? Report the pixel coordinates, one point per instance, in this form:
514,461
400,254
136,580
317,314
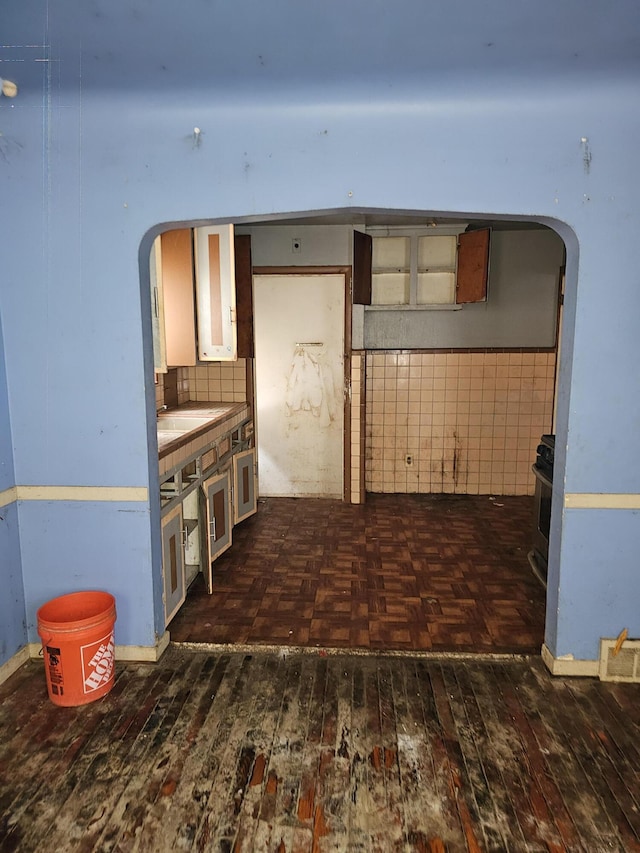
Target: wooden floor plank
616,733
444,773
621,732
334,785
508,753
553,822
221,797
277,811
388,686
107,789
418,778
501,820
60,735
461,787
160,771
253,818
607,781
477,765
174,819
314,753
360,803
370,796
567,791
105,733
311,753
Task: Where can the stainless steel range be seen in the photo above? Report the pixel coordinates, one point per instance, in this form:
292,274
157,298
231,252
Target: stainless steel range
543,471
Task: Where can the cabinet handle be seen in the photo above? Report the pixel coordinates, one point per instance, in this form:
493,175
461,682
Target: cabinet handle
185,537
212,526
156,307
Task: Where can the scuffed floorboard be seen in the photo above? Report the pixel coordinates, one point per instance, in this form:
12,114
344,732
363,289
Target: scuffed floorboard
268,752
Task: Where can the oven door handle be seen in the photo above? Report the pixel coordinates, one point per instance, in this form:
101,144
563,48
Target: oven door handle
541,476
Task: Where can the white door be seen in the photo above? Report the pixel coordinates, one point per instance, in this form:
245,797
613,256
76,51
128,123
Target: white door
299,350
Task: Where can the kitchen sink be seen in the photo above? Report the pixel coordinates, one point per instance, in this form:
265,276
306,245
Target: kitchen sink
180,423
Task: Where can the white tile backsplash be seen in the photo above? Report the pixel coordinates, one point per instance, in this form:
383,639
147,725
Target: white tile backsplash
470,421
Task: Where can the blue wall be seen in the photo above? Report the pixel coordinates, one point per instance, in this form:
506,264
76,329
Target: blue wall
13,630
475,110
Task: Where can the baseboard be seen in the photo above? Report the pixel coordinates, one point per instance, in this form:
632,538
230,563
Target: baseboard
568,665
14,663
142,654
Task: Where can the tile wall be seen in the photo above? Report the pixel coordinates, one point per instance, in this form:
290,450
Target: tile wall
358,421
159,391
219,381
469,421
183,385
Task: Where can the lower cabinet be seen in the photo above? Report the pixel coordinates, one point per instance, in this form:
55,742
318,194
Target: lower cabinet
245,485
217,491
173,562
199,529
192,513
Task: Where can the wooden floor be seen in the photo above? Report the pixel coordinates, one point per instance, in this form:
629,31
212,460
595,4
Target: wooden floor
403,572
317,752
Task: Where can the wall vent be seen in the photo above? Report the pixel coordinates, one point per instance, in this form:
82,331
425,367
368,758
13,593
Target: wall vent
624,666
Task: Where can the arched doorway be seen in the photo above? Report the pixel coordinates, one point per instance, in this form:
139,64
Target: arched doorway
481,439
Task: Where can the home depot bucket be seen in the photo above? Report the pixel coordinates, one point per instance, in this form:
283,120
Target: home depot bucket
77,642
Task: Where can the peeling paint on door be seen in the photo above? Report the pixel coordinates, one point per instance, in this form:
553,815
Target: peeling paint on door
299,329
310,386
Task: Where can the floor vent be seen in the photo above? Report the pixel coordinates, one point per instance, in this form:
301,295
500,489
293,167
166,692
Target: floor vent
623,666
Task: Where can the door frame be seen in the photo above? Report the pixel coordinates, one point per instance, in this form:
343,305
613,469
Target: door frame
346,271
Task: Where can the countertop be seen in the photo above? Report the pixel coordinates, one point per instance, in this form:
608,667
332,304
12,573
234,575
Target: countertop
215,413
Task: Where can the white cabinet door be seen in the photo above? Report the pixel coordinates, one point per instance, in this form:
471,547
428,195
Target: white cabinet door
173,563
218,497
245,497
157,308
216,293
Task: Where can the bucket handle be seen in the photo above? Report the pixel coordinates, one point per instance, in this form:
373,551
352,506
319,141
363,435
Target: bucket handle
44,643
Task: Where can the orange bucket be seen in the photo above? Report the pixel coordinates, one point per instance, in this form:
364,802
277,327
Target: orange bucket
78,646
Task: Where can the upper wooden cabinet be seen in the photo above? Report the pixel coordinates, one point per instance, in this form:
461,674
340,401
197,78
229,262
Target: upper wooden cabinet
176,264
362,249
244,295
201,296
473,266
420,268
172,300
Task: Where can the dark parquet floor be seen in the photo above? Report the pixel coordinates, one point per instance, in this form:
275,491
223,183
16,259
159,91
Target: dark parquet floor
401,572
305,753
